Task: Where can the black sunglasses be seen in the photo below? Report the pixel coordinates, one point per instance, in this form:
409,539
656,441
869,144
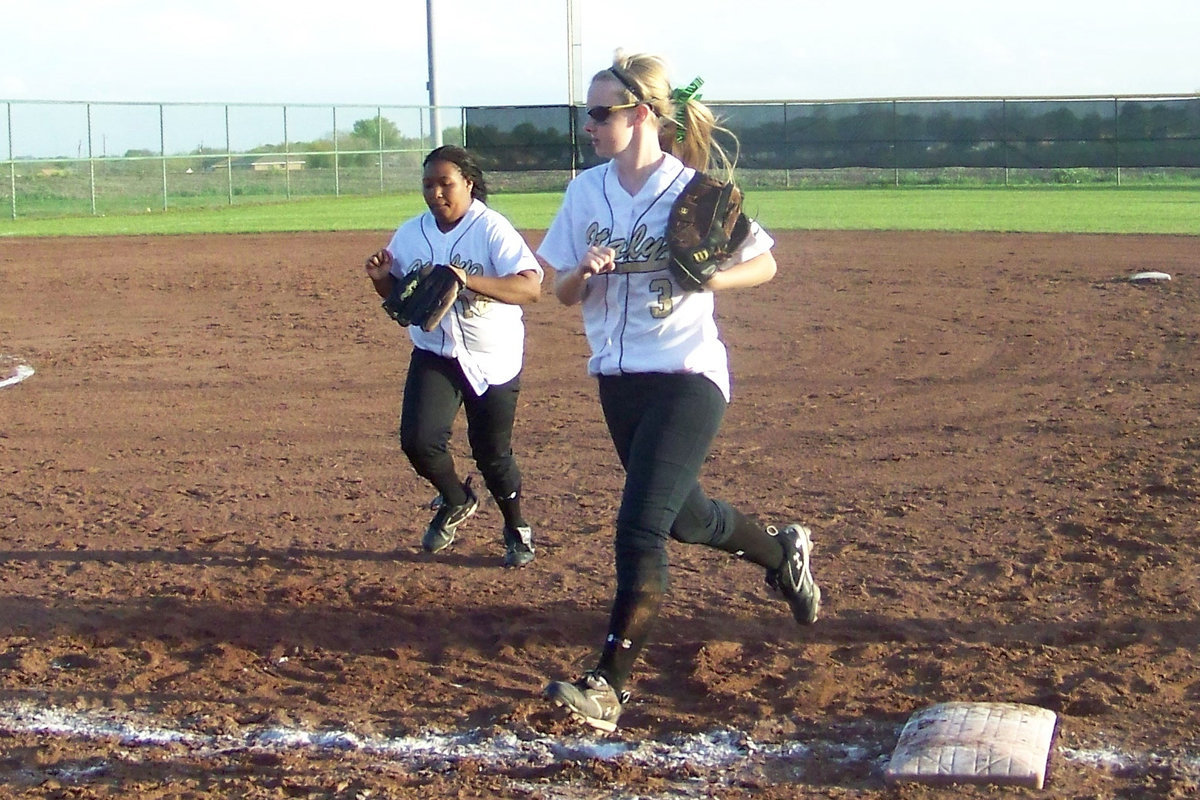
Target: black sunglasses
602,113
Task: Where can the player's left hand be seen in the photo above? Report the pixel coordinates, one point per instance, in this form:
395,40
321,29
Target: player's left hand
460,273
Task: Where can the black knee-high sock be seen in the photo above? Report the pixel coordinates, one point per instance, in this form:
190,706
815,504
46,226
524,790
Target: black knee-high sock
452,490
752,542
510,508
633,617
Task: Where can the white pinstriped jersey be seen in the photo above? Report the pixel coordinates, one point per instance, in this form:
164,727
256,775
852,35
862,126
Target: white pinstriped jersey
486,336
638,318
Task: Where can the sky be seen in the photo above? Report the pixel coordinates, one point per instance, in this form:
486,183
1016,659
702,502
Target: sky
516,52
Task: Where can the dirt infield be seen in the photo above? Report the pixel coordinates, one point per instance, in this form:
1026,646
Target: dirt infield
211,583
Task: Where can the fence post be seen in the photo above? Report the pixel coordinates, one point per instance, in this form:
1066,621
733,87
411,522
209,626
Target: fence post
1004,135
895,145
337,177
162,151
1117,137
379,140
787,170
91,160
228,157
12,167
287,159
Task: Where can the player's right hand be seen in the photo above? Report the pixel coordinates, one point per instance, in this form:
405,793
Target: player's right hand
597,260
379,265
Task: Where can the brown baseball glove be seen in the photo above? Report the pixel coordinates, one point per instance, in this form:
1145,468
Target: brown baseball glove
705,227
422,297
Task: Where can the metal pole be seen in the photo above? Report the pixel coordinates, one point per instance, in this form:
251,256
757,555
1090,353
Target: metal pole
162,150
435,121
787,170
574,57
12,167
895,146
287,159
379,142
337,185
91,159
1004,136
228,158
574,81
1117,136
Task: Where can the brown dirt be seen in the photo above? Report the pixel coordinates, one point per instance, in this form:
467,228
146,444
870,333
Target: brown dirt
208,526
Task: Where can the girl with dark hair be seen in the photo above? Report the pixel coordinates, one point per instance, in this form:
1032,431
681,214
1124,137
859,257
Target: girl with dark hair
473,359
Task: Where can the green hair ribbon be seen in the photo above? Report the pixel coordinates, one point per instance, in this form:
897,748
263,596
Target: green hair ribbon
681,98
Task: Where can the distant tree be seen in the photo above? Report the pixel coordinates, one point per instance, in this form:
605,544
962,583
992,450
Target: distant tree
319,154
370,130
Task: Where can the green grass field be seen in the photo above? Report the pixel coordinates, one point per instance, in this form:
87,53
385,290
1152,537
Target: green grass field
1118,210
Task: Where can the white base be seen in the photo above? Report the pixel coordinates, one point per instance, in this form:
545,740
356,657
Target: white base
987,743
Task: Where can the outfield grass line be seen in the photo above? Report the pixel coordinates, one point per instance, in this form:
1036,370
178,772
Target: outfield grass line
1115,210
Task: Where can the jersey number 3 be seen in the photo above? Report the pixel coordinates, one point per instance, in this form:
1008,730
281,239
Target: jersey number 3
663,305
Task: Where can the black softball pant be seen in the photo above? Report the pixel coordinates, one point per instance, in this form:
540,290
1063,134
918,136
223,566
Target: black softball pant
663,426
433,392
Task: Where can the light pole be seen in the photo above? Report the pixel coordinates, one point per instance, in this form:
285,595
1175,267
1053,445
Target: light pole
574,57
435,115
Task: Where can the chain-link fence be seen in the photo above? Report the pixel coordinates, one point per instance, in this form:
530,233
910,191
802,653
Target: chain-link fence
894,141
98,158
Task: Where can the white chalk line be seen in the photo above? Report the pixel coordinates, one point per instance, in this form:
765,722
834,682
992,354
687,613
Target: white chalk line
22,372
1111,760
721,751
721,754
715,749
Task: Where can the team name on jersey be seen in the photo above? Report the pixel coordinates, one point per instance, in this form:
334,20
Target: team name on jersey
641,249
470,304
469,267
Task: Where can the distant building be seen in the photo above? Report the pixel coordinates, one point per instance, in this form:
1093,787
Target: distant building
274,162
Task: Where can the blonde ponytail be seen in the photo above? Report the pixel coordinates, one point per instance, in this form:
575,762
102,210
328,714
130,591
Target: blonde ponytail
687,128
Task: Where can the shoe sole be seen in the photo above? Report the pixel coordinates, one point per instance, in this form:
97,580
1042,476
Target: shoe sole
428,548
598,724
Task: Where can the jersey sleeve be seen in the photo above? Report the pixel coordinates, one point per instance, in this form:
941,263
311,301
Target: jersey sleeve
758,241
401,244
509,251
560,248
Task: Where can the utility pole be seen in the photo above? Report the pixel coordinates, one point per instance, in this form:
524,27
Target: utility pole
574,57
435,114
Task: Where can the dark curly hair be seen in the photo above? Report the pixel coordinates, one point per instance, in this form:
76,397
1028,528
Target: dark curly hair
466,164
